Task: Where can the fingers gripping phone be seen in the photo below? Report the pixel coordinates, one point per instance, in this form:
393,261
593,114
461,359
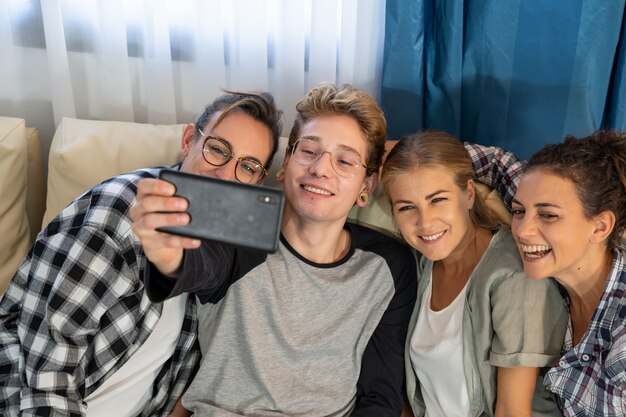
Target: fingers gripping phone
244,215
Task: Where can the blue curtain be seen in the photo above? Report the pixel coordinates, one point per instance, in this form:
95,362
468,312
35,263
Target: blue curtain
517,73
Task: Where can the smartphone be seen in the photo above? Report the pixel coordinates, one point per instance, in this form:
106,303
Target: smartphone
243,215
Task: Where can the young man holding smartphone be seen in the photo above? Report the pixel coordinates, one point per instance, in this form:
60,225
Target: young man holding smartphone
318,327
78,335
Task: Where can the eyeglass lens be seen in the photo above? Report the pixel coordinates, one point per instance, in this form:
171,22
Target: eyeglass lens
218,153
346,163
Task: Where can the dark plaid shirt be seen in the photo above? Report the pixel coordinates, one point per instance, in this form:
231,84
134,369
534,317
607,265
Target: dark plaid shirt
76,310
590,378
497,168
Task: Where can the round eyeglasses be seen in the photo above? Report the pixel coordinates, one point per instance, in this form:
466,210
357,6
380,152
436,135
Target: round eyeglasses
345,162
218,152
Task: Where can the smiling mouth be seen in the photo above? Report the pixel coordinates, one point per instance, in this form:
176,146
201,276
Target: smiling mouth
536,251
431,238
315,190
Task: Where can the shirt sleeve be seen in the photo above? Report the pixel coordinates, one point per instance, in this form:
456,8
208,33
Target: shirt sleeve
207,271
58,300
381,384
529,321
497,168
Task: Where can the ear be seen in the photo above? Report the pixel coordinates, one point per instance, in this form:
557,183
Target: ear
471,193
280,175
189,135
604,224
369,184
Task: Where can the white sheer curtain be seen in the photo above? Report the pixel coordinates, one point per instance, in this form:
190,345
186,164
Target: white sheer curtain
161,61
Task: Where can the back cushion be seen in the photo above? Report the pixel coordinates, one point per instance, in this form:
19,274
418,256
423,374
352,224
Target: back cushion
83,153
14,228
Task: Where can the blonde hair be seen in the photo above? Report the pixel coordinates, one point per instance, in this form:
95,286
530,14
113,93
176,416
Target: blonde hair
439,150
328,100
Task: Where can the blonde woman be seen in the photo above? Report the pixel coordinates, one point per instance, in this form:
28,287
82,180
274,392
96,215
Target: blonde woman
480,330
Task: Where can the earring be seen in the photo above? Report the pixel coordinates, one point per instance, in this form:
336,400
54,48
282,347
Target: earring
364,198
280,174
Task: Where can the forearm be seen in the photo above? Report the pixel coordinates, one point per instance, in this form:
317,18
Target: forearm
516,387
497,168
205,269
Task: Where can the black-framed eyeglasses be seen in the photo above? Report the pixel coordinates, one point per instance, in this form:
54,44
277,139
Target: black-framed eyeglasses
218,152
346,163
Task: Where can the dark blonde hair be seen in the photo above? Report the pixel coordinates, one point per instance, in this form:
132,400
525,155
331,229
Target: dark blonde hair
260,106
596,165
439,150
328,100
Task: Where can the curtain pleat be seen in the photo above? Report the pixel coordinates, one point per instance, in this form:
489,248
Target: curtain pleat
162,61
516,74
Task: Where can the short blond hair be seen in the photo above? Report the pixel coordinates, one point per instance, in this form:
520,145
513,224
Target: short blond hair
328,100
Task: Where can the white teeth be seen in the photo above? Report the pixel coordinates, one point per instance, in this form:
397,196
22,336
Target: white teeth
316,190
536,251
536,248
433,237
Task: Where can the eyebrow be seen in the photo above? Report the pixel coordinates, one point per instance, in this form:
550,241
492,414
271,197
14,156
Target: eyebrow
230,146
540,205
431,195
341,146
402,202
428,197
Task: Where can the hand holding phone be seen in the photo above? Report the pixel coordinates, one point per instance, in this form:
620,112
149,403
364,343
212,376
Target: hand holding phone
244,215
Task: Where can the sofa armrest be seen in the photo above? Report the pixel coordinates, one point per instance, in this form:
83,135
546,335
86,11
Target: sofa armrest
14,227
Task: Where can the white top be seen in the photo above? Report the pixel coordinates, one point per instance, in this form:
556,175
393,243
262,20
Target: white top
127,391
437,356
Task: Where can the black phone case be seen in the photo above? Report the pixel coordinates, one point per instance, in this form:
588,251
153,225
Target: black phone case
244,215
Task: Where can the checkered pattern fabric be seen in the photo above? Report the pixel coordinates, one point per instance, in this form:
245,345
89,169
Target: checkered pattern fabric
76,310
497,168
590,378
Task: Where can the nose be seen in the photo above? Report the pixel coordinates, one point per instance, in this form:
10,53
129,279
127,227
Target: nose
323,166
423,218
522,226
227,171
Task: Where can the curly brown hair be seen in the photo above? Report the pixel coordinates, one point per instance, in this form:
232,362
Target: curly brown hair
596,165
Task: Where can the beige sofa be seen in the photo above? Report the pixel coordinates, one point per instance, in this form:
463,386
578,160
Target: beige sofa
22,193
85,152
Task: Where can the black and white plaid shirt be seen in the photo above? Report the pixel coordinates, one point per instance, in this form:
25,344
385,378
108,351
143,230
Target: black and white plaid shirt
76,311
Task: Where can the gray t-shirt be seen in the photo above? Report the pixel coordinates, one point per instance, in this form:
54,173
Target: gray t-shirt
283,336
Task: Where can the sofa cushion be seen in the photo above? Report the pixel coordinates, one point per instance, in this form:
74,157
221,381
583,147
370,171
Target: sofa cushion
14,227
83,153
